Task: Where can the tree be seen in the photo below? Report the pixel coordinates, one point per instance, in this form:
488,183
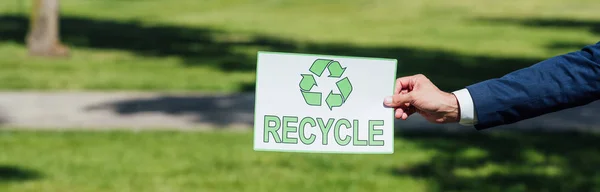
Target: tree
43,38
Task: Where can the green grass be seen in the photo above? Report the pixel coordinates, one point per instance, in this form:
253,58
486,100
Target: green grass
211,45
224,161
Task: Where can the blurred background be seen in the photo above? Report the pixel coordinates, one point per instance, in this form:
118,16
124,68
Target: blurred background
157,95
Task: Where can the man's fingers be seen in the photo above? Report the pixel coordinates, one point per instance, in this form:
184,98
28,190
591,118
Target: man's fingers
401,114
398,100
398,113
406,83
404,112
402,83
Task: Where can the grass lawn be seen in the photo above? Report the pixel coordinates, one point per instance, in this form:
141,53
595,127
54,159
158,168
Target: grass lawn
190,45
224,161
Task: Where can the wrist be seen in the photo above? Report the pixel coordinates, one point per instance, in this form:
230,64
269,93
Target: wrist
453,109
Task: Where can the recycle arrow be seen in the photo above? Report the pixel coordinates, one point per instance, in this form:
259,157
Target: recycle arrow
318,67
335,69
345,88
307,82
333,100
312,98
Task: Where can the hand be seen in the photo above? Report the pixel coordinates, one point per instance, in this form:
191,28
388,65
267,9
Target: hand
418,94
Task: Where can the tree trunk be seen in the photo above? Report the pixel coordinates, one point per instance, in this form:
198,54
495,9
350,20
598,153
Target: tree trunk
43,37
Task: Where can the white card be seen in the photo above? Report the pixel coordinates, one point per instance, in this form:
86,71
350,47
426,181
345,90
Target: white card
323,104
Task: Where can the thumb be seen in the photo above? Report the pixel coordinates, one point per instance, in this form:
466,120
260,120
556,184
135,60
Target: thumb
398,100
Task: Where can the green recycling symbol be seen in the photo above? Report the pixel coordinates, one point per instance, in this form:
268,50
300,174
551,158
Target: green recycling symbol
335,71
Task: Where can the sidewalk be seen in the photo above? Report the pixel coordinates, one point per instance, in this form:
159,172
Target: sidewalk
97,110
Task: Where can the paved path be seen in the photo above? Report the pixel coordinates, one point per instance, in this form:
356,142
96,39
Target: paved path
202,111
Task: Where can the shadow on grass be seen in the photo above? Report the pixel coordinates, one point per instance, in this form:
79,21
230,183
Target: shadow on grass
592,26
525,161
12,173
237,52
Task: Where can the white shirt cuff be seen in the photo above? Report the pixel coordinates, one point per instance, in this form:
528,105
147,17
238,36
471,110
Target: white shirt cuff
468,116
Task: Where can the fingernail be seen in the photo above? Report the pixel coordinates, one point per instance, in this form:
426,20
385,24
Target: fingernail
387,100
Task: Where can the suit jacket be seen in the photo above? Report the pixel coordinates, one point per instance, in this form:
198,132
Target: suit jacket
561,82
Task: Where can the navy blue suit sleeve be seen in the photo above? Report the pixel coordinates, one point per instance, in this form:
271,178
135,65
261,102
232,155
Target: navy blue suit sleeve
558,83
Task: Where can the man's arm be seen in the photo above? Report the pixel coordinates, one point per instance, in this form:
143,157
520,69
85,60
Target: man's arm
554,84
558,83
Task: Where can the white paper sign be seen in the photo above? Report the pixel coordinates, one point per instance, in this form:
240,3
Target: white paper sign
323,104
